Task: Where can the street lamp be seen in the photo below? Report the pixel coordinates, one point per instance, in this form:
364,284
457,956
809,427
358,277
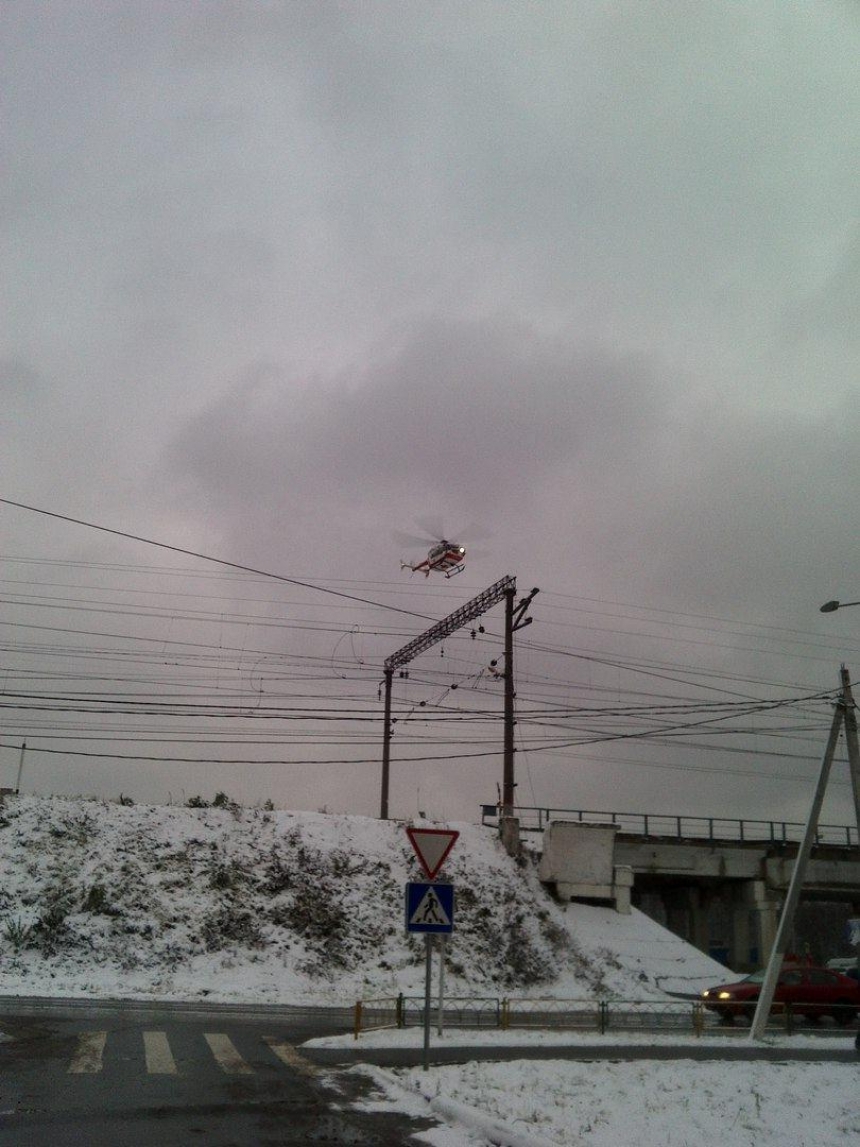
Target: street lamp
830,606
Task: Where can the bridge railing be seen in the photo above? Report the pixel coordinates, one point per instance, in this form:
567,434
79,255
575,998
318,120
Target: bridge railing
535,819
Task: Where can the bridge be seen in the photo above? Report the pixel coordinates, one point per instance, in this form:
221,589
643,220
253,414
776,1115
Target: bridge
718,882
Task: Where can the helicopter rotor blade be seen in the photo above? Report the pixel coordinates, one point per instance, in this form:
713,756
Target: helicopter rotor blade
412,539
471,534
434,526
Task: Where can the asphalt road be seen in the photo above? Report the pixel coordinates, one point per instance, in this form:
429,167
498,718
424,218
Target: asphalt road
140,1075
129,1074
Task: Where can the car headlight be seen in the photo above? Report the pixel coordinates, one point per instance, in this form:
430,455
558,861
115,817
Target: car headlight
724,995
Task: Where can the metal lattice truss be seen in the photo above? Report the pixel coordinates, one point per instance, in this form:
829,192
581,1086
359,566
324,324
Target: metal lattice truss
454,621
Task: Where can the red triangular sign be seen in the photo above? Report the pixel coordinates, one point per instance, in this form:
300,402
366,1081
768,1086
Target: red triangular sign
432,846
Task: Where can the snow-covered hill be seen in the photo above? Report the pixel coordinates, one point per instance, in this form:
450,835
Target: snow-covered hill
256,904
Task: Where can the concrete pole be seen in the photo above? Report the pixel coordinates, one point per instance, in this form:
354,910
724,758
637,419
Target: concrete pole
386,746
20,768
508,784
786,920
851,742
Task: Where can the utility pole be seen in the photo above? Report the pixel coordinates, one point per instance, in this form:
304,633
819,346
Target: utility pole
437,632
514,620
851,742
792,898
20,768
386,745
508,782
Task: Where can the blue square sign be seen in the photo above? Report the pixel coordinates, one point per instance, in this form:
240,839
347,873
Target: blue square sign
430,908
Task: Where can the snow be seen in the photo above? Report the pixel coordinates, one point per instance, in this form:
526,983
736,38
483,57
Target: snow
649,1103
266,906
261,905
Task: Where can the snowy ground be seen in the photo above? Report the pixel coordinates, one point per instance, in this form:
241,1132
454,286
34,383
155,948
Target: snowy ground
616,1103
605,1103
646,1103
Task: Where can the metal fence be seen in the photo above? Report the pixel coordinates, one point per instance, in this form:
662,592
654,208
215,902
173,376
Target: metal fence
604,1015
600,1016
372,1015
709,828
459,1011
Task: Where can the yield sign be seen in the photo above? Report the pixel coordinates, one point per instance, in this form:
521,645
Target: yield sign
432,846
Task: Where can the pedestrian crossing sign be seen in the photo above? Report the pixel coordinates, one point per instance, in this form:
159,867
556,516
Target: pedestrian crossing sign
430,908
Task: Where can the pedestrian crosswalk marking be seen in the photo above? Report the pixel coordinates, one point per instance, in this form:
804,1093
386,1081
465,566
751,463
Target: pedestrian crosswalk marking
287,1054
159,1057
88,1058
226,1055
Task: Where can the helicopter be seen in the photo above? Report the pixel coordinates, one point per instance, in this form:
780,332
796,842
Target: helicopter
444,557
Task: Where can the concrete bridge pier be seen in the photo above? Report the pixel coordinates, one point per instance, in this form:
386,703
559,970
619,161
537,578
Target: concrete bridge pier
685,911
723,896
754,919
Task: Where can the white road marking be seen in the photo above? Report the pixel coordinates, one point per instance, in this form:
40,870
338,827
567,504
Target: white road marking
88,1058
226,1055
287,1054
159,1058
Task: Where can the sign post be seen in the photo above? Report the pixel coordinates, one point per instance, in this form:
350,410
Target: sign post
430,909
441,1008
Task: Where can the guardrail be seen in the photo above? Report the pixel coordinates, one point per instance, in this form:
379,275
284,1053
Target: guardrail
459,1011
709,828
787,1015
374,1015
600,1016
603,1015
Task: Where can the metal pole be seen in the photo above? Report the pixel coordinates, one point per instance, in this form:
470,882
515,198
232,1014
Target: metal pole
441,1009
786,920
508,766
851,742
428,957
386,746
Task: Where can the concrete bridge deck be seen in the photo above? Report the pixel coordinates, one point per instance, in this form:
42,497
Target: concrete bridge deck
718,882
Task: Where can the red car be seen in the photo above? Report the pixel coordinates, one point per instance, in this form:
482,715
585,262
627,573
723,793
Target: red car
811,992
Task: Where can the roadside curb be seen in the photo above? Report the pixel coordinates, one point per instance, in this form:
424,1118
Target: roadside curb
451,1112
494,1129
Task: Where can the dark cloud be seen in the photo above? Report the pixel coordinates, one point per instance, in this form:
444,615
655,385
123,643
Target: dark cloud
19,382
463,410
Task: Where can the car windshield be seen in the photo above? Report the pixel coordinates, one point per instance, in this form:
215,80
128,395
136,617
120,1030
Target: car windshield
787,975
755,978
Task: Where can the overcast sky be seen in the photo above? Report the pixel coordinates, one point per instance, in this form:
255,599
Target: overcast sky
280,279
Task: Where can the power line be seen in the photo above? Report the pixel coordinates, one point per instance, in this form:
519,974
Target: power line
217,561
